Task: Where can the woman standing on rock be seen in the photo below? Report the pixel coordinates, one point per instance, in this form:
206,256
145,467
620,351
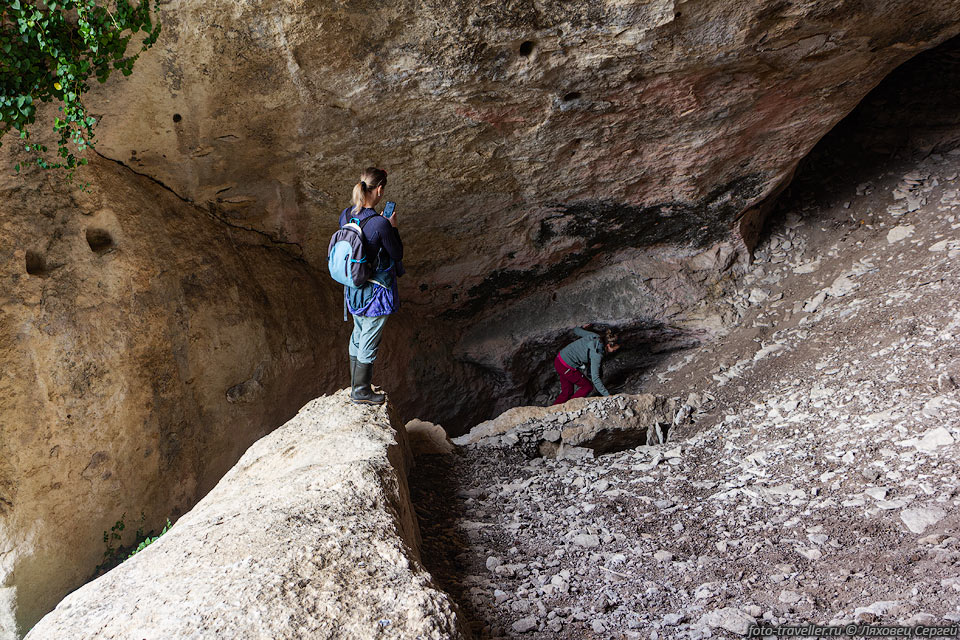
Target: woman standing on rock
374,301
584,354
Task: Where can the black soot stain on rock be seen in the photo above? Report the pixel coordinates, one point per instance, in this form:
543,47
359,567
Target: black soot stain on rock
606,226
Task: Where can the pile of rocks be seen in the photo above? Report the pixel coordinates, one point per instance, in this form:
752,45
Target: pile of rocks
818,482
586,426
911,193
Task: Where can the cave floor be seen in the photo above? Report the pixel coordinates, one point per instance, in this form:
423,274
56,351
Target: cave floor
818,485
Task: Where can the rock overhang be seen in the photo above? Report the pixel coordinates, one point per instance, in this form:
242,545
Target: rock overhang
494,120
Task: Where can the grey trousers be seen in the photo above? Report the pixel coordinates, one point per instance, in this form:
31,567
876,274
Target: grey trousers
365,339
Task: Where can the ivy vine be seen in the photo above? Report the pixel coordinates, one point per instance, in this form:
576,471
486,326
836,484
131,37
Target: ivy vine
49,49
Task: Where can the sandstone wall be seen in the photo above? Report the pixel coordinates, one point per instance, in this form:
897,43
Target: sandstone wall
557,156
144,346
310,535
525,141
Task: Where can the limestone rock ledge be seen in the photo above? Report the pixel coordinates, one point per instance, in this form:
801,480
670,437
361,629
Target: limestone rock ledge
310,535
582,426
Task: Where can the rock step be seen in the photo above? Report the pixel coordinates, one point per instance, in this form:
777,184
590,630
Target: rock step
310,535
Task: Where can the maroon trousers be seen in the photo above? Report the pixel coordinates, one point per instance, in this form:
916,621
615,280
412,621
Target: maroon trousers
570,378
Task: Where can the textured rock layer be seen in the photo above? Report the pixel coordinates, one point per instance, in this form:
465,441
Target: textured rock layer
144,346
540,136
310,535
554,163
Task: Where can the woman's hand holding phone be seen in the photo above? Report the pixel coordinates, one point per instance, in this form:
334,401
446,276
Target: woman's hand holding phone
390,213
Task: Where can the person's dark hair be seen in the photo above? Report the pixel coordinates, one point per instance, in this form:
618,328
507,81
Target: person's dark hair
611,337
370,179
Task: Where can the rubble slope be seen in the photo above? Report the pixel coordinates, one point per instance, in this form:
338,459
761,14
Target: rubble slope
814,477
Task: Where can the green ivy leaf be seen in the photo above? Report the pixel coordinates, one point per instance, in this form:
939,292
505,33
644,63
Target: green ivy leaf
46,55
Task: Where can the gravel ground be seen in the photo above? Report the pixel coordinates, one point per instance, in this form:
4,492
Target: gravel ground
819,484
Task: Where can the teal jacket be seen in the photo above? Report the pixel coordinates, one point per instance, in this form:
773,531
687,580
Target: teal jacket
586,354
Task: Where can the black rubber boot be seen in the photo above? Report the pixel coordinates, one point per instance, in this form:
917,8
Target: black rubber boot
353,371
362,392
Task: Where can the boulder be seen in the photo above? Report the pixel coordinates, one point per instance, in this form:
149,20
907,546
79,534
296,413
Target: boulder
605,424
311,534
427,438
729,619
918,519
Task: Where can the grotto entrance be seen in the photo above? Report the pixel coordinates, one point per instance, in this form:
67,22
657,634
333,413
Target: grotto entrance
636,541
911,115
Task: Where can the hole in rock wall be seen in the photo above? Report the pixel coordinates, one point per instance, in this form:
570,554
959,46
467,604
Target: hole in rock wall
100,241
177,117
573,95
526,48
910,116
36,265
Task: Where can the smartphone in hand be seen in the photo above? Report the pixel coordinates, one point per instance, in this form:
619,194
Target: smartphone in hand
388,209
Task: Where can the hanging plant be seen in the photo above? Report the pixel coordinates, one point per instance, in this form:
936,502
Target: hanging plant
48,52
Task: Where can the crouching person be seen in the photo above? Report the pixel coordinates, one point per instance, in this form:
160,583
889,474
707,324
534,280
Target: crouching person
584,354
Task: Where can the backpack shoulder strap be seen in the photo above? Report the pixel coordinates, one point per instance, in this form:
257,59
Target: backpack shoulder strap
357,221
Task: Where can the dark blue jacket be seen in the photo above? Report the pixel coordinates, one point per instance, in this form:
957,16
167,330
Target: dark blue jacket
383,247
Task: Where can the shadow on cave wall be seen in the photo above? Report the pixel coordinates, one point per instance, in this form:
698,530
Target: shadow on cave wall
912,113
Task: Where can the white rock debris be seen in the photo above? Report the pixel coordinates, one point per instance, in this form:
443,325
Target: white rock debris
814,476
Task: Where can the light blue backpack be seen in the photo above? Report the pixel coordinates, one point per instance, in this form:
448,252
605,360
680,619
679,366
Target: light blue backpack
346,258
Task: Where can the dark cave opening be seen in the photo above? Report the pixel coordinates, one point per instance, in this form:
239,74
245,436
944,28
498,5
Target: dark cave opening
643,344
910,115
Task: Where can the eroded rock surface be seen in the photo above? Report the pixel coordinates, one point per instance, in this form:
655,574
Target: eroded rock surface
545,135
310,535
583,426
565,159
144,346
